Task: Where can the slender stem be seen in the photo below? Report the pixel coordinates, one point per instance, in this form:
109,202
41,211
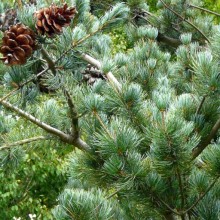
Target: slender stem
51,64
202,196
7,95
22,142
36,121
181,189
25,83
114,193
200,106
167,206
102,123
204,9
204,143
73,114
178,15
168,40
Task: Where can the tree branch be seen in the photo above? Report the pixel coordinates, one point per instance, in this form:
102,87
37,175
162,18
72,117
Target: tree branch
188,22
204,143
72,109
22,142
51,64
163,38
204,9
181,189
202,196
73,115
103,125
167,206
200,106
168,40
63,136
26,82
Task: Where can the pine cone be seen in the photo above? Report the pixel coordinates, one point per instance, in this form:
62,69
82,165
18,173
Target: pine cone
91,74
18,44
51,20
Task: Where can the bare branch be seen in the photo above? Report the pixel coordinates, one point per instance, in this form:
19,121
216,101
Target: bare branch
37,122
8,95
63,136
103,125
204,143
73,114
202,196
181,188
204,9
200,106
190,23
167,206
50,62
25,83
72,109
22,142
168,40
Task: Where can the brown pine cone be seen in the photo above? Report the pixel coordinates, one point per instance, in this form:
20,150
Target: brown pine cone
91,74
51,20
18,44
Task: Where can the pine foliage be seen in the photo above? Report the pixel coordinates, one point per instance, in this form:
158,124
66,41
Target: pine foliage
145,140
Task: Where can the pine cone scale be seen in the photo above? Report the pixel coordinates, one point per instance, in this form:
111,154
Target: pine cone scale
6,49
12,43
28,50
57,26
47,16
21,30
19,53
39,23
44,25
22,40
11,35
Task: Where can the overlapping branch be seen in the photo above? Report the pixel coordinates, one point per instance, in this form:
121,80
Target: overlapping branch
204,143
73,115
187,21
201,196
22,142
67,138
204,9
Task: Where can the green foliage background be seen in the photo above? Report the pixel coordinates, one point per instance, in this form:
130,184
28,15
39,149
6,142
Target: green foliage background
34,187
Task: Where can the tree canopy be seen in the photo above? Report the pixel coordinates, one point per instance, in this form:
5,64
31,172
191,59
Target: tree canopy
109,110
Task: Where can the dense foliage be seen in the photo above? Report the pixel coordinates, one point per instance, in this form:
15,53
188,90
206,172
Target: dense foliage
132,135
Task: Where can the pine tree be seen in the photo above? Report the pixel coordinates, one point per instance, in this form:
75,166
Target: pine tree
145,134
